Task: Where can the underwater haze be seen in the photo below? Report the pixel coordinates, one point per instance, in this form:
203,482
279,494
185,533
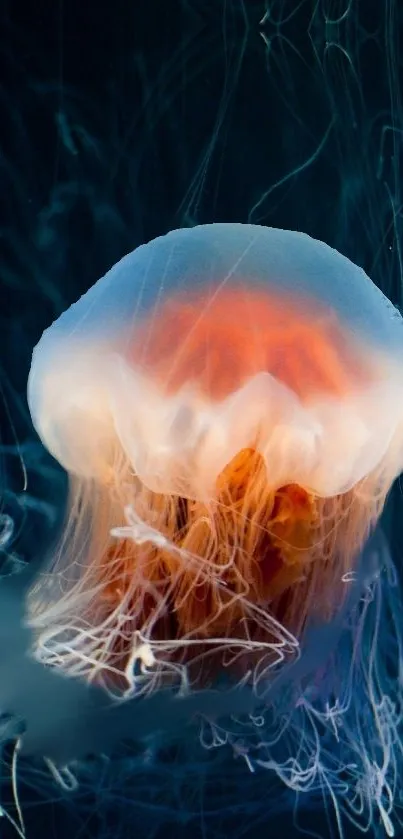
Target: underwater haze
201,419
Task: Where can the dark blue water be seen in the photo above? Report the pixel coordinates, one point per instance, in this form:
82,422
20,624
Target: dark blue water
119,121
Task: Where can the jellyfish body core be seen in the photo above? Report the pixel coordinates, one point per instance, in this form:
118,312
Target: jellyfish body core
229,404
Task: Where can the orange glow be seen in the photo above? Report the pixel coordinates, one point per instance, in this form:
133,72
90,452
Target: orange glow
222,340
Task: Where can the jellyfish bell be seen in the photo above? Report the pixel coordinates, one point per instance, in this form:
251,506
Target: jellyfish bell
209,338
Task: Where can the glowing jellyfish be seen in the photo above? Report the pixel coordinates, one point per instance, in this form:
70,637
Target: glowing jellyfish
228,401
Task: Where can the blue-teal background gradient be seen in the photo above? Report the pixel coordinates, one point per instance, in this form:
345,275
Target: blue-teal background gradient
120,120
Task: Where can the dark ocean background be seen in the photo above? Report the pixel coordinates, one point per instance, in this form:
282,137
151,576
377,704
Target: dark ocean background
123,119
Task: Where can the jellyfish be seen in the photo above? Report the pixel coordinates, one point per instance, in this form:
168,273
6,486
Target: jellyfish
228,403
